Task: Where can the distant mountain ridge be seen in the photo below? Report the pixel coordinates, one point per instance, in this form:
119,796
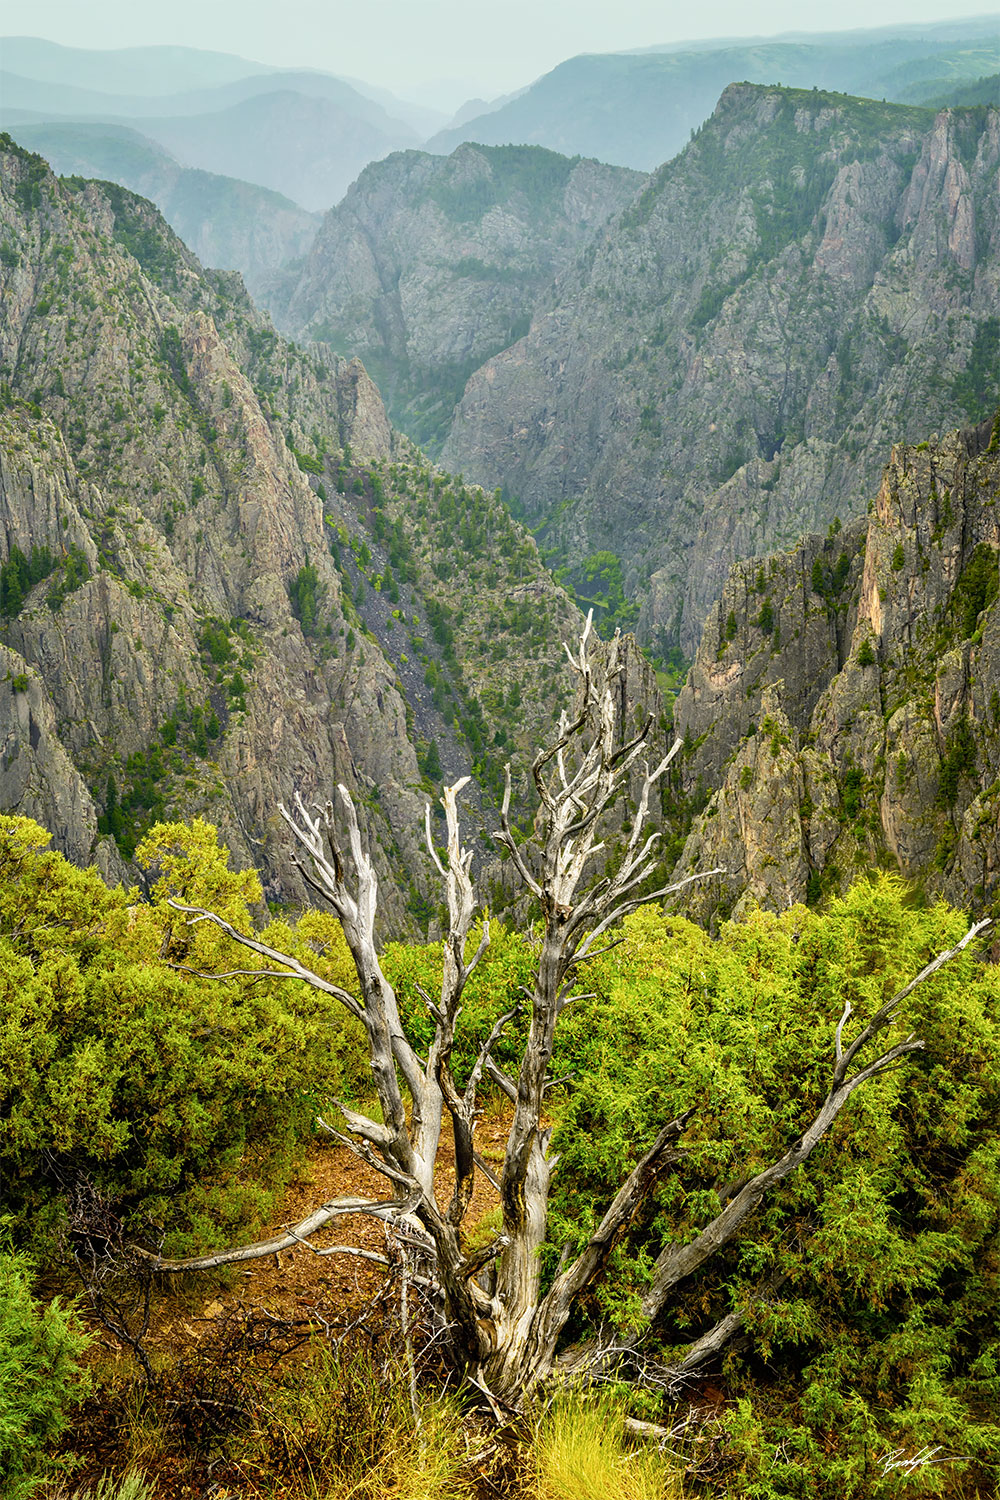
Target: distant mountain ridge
162,71
638,109
305,135
301,132
968,28
74,102
963,95
148,70
227,223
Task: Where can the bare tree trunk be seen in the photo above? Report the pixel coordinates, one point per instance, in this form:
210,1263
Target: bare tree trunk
506,1333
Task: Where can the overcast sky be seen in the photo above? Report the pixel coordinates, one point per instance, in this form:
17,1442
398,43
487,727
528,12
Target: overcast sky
461,46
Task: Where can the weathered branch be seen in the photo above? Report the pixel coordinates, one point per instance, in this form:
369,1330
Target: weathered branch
708,1345
389,1046
364,1152
482,1258
627,907
506,838
292,970
487,1172
485,1052
503,1082
620,1215
334,1209
359,1253
359,1125
679,1261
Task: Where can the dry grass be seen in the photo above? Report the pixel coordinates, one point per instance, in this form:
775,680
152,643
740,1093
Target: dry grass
580,1453
343,1429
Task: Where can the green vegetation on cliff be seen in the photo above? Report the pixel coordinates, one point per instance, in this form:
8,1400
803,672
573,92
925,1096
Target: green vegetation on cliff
879,681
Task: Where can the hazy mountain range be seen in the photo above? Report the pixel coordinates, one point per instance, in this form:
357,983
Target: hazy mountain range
307,134
638,109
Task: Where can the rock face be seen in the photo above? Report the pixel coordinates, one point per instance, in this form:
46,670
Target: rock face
181,618
430,265
724,368
845,698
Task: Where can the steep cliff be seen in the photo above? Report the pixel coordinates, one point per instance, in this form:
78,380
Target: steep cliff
431,264
813,278
180,631
845,698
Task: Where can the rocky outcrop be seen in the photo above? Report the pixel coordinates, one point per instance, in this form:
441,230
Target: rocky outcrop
844,704
430,265
37,778
810,280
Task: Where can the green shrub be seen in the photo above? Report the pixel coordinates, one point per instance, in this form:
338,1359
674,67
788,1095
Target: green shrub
214,640
40,1377
975,389
72,571
976,588
959,760
19,574
429,761
854,786
884,1334
151,1083
307,595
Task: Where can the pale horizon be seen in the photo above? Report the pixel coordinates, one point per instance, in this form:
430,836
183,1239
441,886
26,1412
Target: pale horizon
440,52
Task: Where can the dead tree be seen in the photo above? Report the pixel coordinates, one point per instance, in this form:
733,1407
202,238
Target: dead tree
506,1329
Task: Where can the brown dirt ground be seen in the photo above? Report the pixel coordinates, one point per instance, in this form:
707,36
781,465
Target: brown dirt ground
300,1279
298,1284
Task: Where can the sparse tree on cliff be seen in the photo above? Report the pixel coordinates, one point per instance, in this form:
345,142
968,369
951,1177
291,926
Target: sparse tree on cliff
506,1329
